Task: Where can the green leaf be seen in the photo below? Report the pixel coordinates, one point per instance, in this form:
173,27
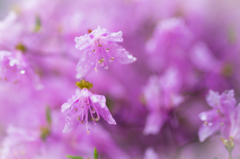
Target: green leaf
38,24
95,153
74,157
48,115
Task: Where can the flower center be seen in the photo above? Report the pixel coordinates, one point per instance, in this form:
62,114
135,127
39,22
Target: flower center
84,84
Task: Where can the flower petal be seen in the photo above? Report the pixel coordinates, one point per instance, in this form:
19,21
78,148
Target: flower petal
206,130
100,103
82,42
85,64
121,55
155,121
213,99
70,102
116,37
69,127
208,115
150,154
71,124
227,100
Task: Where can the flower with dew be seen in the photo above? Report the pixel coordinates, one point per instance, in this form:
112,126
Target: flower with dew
83,101
220,117
99,47
12,65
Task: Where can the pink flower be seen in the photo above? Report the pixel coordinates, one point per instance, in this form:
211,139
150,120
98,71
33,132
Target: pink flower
10,30
99,47
220,117
16,68
20,143
161,95
78,106
12,65
168,37
150,153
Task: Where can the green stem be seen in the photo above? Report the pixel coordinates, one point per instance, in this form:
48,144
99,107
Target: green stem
230,154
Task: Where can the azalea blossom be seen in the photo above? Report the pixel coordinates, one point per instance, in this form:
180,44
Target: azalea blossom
99,48
10,30
12,65
20,143
220,116
83,101
161,95
183,49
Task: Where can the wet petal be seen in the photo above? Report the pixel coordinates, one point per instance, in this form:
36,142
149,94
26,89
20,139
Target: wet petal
122,55
70,125
86,63
68,104
208,115
206,130
100,103
82,42
116,37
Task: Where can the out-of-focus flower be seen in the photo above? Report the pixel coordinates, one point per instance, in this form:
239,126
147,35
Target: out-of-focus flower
83,101
12,65
15,68
221,115
10,30
167,39
150,153
99,47
20,144
203,58
161,95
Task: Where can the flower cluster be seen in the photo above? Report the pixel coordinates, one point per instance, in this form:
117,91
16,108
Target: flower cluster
156,61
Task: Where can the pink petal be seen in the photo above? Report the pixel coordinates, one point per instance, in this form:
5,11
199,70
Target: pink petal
227,99
208,115
155,121
82,42
122,55
205,131
116,37
71,124
213,99
86,63
100,103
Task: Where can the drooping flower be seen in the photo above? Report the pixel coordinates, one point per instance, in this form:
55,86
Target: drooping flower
220,117
83,101
99,47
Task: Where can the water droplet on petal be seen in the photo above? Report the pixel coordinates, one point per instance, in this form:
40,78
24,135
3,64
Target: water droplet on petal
22,71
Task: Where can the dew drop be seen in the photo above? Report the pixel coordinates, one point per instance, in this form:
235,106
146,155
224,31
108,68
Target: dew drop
22,71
